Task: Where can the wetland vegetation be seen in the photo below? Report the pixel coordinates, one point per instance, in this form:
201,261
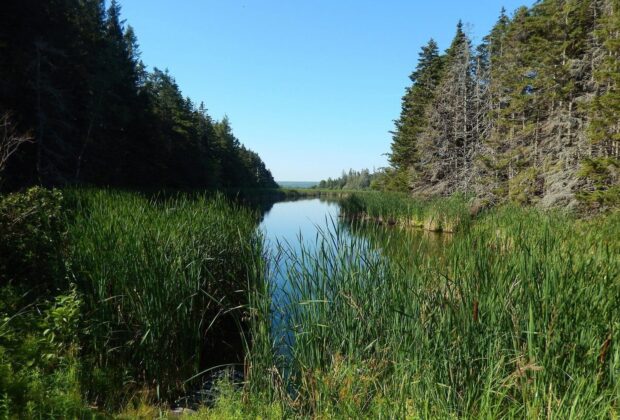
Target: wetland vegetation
512,315
151,267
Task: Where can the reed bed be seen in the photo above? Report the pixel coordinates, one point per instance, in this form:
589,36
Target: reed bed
164,282
516,317
432,214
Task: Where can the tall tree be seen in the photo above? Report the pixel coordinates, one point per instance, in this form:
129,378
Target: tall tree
404,155
449,142
71,74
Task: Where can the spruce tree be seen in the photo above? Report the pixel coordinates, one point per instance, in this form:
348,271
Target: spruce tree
448,143
404,156
601,168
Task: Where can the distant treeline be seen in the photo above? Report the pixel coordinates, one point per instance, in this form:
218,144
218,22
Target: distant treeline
71,80
531,115
352,180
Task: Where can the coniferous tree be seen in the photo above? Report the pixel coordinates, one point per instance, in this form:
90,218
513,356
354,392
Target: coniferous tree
448,143
601,168
70,73
404,156
531,116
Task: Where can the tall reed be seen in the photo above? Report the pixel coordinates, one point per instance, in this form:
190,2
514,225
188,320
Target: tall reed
433,214
164,282
516,317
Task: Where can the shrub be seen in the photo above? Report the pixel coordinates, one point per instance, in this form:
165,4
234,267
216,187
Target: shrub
39,367
32,245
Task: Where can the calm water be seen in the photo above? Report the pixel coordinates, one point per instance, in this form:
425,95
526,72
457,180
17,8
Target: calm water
286,225
290,222
287,221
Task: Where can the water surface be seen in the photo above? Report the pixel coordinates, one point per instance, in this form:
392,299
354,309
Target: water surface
290,226
288,221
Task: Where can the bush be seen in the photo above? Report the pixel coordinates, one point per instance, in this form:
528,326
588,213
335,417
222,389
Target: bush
39,368
32,245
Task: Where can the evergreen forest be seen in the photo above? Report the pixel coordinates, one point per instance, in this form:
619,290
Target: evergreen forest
530,115
73,84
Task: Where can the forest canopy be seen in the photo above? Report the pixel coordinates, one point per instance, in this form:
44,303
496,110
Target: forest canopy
351,180
531,115
72,81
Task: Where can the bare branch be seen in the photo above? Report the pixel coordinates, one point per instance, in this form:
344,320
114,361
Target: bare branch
10,139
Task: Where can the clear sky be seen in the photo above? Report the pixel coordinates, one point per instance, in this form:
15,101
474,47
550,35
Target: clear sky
313,86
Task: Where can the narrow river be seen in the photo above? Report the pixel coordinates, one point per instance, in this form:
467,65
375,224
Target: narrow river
292,228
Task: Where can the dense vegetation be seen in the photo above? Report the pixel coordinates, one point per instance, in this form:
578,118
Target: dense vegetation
125,300
448,214
105,294
531,115
514,316
72,81
113,299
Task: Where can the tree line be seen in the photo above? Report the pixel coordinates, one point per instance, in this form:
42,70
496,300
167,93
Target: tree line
73,83
531,115
352,180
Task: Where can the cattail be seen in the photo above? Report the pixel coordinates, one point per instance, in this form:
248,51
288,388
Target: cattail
475,311
604,349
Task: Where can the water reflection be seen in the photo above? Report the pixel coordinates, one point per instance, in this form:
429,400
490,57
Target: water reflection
296,231
288,222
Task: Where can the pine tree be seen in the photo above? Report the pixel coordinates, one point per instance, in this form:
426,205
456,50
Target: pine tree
531,117
449,142
601,169
404,156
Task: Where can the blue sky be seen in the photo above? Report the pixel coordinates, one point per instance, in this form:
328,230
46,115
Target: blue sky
313,86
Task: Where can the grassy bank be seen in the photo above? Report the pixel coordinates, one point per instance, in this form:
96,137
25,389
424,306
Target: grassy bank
113,301
121,296
433,214
516,317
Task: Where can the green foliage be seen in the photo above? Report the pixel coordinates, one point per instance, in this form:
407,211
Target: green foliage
511,318
353,180
239,166
525,186
433,214
76,81
236,405
517,119
604,177
392,180
164,281
39,364
33,245
605,108
160,289
412,122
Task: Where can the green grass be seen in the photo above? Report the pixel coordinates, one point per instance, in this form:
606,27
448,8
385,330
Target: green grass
164,283
161,284
432,214
516,317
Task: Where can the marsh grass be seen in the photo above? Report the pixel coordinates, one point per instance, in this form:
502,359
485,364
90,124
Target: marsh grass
165,280
515,315
521,324
433,214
